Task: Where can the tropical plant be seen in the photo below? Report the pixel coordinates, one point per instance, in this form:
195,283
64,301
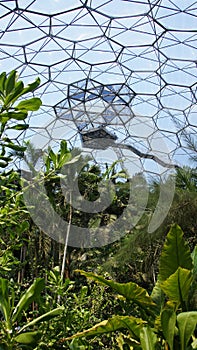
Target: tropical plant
17,329
167,318
12,111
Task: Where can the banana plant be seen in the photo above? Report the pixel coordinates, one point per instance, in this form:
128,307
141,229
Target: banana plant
13,113
15,334
168,316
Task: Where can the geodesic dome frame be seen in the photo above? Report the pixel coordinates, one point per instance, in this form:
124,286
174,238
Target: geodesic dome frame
128,66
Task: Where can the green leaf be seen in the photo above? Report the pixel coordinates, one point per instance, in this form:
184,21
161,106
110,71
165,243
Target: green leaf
187,322
193,290
175,254
28,338
30,295
3,121
148,338
11,98
131,291
2,82
45,317
33,104
194,259
15,115
168,323
63,147
157,295
5,159
4,300
77,345
15,147
3,164
10,82
20,90
134,325
53,156
177,286
31,87
19,127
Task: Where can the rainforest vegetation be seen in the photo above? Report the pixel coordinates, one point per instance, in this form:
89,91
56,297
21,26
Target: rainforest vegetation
139,292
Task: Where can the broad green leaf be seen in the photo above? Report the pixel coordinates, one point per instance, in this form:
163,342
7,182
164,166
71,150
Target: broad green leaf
175,254
168,323
148,338
187,322
131,291
28,338
177,286
10,82
33,104
45,317
30,295
134,325
2,82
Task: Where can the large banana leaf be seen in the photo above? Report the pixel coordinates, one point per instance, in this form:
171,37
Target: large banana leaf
187,322
177,286
175,254
131,291
133,324
28,297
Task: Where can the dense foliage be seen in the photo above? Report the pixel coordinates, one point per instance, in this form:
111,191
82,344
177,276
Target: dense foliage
167,317
42,301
